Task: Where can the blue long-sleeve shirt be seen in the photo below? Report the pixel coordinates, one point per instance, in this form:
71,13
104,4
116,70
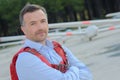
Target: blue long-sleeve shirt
30,67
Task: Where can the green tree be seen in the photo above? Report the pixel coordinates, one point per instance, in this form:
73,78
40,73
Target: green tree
58,11
9,11
72,8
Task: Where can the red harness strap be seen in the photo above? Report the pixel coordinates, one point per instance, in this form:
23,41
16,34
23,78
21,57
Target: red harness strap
64,63
57,47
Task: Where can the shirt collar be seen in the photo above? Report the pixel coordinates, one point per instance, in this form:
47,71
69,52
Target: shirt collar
36,45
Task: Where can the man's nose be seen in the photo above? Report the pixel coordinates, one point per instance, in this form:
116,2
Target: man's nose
40,26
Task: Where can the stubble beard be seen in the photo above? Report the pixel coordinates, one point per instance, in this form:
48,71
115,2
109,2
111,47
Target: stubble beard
41,36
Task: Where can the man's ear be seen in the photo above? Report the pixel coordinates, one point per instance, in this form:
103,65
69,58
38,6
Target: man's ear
23,29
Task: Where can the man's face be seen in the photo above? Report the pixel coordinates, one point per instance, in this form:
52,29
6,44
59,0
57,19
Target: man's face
35,26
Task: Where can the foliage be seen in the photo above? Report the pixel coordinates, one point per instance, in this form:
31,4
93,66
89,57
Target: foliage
9,12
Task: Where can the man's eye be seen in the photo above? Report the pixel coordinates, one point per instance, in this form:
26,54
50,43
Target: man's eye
32,24
43,21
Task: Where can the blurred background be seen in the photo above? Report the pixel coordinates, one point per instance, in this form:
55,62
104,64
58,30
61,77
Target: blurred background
58,11
89,28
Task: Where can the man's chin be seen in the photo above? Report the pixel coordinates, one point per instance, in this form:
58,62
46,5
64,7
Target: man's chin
40,40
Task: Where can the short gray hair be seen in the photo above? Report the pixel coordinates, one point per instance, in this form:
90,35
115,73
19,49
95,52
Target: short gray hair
30,8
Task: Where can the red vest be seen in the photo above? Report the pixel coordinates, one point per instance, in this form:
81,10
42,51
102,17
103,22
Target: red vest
57,47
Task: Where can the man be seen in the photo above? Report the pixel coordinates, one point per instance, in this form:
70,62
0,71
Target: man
28,63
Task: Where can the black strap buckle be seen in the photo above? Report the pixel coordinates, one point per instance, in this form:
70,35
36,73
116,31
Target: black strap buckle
62,67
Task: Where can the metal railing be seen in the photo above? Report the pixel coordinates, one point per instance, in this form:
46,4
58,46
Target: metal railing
12,40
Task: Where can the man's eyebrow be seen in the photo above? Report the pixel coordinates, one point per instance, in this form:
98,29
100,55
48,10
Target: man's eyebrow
40,20
44,19
32,21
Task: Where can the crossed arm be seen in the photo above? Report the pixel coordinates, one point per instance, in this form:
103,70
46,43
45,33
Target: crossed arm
29,67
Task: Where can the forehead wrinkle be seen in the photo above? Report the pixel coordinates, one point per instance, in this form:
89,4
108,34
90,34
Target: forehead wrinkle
33,16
